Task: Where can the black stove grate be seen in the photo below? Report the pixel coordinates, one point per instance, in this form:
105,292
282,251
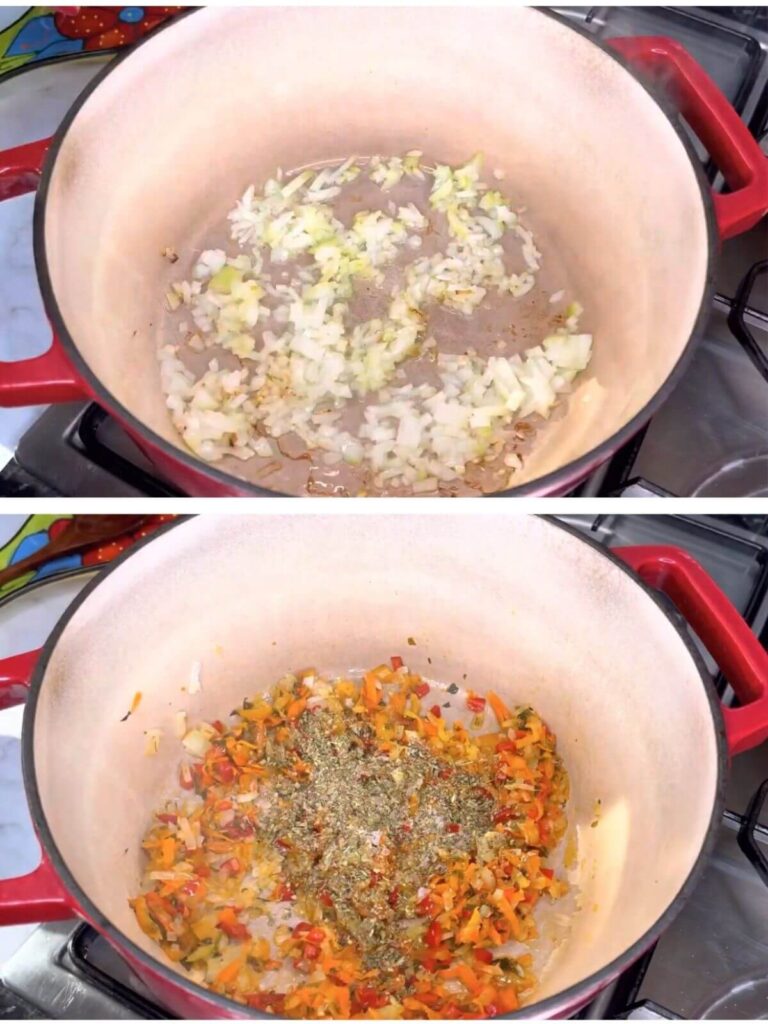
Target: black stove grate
751,17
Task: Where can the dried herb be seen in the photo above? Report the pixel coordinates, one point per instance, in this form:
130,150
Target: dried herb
362,825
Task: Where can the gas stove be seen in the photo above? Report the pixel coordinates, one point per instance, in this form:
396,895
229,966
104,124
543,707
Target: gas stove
710,438
709,963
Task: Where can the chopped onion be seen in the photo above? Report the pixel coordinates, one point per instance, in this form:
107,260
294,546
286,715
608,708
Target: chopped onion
152,739
195,685
297,375
196,742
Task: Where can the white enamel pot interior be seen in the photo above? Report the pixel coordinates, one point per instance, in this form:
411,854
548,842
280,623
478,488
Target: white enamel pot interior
158,150
520,605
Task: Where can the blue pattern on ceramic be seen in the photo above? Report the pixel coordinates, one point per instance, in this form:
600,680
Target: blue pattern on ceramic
41,37
131,14
29,545
63,564
32,543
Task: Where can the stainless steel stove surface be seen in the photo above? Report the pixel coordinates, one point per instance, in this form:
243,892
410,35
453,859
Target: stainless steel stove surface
711,436
711,962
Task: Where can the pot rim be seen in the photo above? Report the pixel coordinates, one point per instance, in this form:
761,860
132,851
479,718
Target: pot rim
565,476
569,998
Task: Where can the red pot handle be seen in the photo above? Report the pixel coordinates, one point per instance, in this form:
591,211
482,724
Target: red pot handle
15,673
49,377
725,136
721,629
39,895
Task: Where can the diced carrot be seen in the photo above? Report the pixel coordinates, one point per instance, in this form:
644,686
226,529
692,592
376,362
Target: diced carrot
341,995
371,692
227,975
296,707
499,709
507,999
509,913
466,976
167,852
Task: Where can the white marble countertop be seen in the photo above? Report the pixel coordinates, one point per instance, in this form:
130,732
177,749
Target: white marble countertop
25,624
32,105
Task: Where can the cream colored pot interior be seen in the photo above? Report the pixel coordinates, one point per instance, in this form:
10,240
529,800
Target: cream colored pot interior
520,606
165,145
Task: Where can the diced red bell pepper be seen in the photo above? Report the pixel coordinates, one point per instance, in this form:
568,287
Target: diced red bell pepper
453,826
272,1001
370,999
234,929
435,710
548,872
485,956
396,662
231,866
476,704
505,814
421,690
226,771
311,952
325,898
434,935
426,907
394,896
168,819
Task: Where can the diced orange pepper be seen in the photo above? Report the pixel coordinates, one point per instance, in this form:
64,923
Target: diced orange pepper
508,911
167,852
341,994
228,975
296,707
371,693
507,999
499,709
146,923
466,976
